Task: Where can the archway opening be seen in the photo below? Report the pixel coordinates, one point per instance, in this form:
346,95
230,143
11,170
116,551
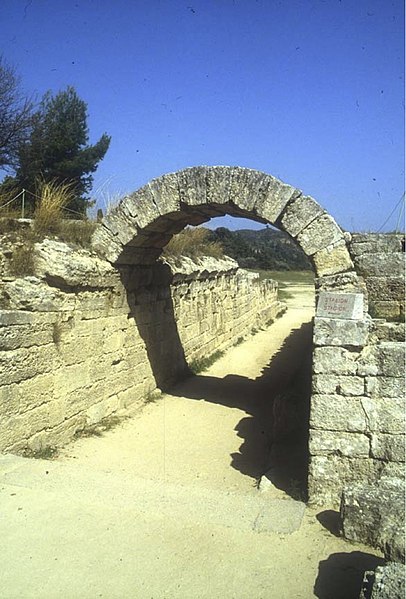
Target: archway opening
133,236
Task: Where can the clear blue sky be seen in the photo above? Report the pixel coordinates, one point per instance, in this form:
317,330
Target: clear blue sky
310,91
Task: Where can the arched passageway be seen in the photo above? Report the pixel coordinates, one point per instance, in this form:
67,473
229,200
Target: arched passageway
133,235
136,231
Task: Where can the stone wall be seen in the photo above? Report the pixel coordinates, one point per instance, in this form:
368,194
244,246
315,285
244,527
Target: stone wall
357,427
379,259
80,340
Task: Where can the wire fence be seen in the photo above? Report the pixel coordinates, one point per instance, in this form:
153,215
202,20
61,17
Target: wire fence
22,195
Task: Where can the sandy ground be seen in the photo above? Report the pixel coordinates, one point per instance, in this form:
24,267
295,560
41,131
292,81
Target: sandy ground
167,505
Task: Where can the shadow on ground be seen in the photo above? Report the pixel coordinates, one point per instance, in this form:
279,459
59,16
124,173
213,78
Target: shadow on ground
275,430
340,576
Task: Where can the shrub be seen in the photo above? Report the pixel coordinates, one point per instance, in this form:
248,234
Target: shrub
193,242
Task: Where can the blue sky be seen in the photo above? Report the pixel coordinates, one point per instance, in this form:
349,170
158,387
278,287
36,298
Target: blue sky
310,91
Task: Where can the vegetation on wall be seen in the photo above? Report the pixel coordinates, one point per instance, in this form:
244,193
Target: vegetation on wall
194,242
266,249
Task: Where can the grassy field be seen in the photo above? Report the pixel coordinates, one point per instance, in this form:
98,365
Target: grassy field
288,277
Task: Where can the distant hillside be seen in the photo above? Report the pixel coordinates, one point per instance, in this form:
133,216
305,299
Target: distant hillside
266,249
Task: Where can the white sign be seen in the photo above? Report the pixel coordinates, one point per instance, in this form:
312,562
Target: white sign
349,306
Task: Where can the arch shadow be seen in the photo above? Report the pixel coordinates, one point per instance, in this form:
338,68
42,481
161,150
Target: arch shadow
274,432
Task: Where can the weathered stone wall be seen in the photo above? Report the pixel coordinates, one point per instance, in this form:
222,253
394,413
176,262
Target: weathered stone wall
379,259
357,409
80,340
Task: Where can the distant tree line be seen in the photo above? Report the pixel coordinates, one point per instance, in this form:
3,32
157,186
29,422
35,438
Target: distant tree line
266,249
45,142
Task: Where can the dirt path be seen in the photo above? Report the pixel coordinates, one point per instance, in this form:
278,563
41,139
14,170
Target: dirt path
166,504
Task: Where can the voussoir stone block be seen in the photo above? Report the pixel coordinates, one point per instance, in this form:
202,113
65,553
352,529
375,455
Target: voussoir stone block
300,213
271,205
319,234
332,260
193,186
105,244
141,204
165,192
121,225
248,187
218,182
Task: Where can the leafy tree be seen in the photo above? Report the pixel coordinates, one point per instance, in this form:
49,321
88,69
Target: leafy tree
16,112
58,150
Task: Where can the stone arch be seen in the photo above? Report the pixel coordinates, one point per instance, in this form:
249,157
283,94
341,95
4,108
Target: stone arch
141,225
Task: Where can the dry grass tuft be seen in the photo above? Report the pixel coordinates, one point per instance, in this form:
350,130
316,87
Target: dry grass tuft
54,197
193,242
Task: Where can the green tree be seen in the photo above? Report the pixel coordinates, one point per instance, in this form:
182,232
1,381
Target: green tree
58,148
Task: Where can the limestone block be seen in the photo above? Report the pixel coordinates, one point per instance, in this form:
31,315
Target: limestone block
30,293
272,204
327,384
375,516
319,234
62,433
344,282
385,359
340,332
388,331
328,474
247,187
218,180
102,409
387,288
372,243
22,426
337,413
24,396
334,360
384,414
13,337
165,191
120,224
387,582
379,265
25,363
193,185
388,447
15,317
72,377
106,244
332,260
141,204
387,309
385,386
339,443
300,213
